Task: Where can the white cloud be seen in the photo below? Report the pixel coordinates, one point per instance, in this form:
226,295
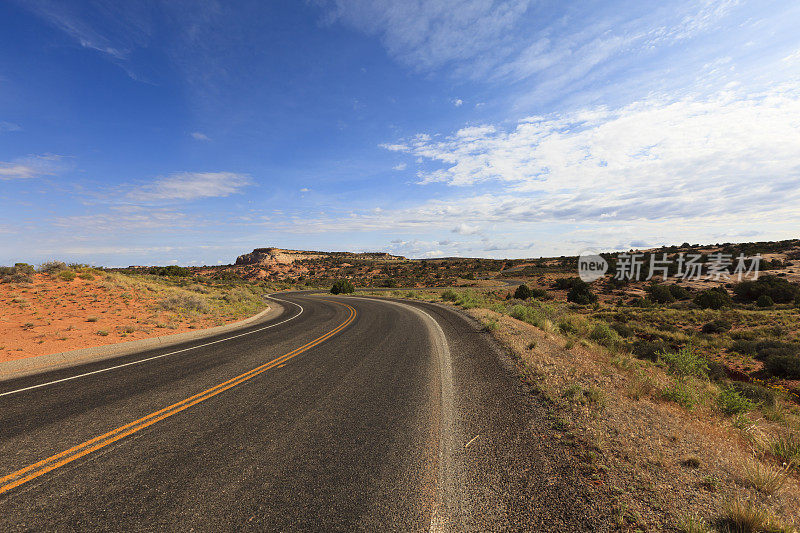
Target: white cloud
9,126
466,229
30,167
399,166
192,186
305,189
199,136
646,160
458,102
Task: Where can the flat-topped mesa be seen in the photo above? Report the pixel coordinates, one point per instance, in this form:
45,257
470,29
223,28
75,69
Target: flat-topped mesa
280,256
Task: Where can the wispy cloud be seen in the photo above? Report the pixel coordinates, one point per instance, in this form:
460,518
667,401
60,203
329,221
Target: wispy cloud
31,167
9,126
400,166
191,186
647,159
199,136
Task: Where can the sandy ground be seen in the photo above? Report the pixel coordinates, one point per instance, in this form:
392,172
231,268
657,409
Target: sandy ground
52,315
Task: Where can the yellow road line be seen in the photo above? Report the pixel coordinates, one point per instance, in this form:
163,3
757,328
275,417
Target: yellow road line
51,463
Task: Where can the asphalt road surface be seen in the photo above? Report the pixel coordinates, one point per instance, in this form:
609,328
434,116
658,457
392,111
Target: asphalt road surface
341,414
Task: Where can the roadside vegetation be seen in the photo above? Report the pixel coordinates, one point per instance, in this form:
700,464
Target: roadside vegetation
688,399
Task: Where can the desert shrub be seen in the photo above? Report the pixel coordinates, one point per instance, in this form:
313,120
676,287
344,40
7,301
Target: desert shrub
188,302
716,371
342,286
564,284
540,294
602,334
719,325
660,294
623,330
528,314
681,393
764,301
449,296
754,392
644,349
730,402
581,293
685,362
786,448
171,270
641,302
763,349
52,267
523,292
23,268
678,292
783,366
567,326
66,275
715,298
777,288
17,278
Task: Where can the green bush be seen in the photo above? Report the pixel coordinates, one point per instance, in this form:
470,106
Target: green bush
567,327
623,330
778,289
755,393
730,402
681,393
342,286
660,294
528,314
564,284
66,275
764,349
449,296
719,325
783,366
171,270
640,302
685,362
602,334
715,298
540,294
678,292
581,293
649,350
764,301
52,267
523,292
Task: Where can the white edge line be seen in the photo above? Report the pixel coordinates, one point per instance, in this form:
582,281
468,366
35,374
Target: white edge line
159,356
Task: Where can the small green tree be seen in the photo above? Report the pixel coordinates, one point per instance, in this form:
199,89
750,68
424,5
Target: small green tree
715,298
342,286
523,292
581,293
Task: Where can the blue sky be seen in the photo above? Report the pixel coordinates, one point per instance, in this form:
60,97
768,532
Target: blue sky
192,131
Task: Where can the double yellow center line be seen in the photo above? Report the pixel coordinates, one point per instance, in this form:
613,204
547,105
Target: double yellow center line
44,466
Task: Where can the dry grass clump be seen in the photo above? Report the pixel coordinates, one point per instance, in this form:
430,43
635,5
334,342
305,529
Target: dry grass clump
743,515
185,302
763,478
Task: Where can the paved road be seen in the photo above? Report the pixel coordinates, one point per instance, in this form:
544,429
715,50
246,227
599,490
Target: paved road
341,414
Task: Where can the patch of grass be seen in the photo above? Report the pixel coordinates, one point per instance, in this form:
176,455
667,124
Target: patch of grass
187,302
66,275
730,402
741,515
528,314
786,448
92,319
102,332
763,478
685,362
692,523
602,334
491,325
681,393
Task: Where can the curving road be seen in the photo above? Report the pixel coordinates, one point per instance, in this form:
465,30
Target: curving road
341,414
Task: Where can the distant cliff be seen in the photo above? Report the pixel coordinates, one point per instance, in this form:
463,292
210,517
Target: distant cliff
279,256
